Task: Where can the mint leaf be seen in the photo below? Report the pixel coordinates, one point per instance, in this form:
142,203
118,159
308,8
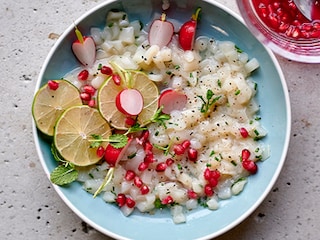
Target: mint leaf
63,175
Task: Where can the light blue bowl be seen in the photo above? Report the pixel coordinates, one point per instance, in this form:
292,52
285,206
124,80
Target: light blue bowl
219,22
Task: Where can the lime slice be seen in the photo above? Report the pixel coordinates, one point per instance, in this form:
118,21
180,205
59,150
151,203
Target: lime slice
109,91
74,131
48,104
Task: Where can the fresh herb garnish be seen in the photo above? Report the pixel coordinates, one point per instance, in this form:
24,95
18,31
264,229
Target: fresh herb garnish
160,117
65,173
208,101
116,140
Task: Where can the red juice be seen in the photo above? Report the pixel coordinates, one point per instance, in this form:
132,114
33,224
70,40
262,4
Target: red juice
285,18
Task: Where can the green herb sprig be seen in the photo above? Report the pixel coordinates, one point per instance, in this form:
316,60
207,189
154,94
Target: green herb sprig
208,101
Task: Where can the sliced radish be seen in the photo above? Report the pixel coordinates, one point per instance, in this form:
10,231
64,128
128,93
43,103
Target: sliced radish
84,49
188,31
172,100
114,155
161,32
129,102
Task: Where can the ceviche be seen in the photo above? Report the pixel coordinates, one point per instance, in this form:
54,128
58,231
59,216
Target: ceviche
155,117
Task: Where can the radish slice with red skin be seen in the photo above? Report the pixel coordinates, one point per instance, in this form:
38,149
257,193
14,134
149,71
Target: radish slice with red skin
84,49
172,100
113,155
188,31
129,102
160,32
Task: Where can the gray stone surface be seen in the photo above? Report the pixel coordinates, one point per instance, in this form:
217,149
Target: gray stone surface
29,206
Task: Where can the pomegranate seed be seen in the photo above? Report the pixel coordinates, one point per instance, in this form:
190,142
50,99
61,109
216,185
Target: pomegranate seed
213,182
85,96
143,166
192,154
106,70
192,194
245,154
116,79
129,175
207,174
121,199
178,149
167,200
208,190
144,189
137,182
53,85
130,202
215,174
250,166
130,121
89,89
244,133
148,148
149,158
161,167
100,151
186,144
83,75
92,103
169,161
144,137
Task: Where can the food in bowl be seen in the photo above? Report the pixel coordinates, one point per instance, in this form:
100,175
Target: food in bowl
282,27
166,120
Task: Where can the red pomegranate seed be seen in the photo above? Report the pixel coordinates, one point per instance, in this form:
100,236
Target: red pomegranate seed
192,194
149,158
100,151
116,79
89,89
53,85
144,189
137,182
213,182
208,190
106,70
245,154
130,202
186,144
207,174
85,96
161,167
130,121
167,200
143,166
244,133
178,149
143,138
250,166
192,154
169,161
129,175
121,199
148,147
92,103
215,174
83,75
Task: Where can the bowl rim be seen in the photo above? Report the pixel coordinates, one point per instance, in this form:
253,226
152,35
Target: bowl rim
223,230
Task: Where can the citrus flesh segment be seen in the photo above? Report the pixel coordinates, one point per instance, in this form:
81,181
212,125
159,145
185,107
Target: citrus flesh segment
49,104
74,132
109,91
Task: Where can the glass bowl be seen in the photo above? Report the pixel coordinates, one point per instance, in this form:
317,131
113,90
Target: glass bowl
280,26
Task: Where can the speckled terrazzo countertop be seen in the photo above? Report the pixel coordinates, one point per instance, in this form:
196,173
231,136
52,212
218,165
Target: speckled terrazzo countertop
29,206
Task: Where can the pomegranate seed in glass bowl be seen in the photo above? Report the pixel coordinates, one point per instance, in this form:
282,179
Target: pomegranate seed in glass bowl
283,28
